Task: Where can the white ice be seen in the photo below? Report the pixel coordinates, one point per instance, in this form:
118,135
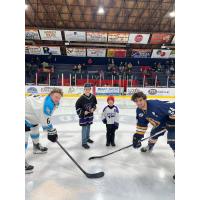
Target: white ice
129,174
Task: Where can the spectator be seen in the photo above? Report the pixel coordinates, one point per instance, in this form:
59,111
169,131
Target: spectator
130,66
75,68
79,68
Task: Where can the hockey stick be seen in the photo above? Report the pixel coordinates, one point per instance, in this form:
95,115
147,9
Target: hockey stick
94,157
95,175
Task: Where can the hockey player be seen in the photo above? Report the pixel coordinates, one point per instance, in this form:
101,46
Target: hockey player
110,117
160,114
85,107
38,111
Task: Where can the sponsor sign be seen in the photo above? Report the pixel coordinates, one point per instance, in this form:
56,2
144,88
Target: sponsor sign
81,52
161,38
118,53
50,35
138,38
160,53
94,52
47,89
96,37
152,91
35,50
118,37
108,90
51,50
172,54
32,34
75,36
141,53
173,41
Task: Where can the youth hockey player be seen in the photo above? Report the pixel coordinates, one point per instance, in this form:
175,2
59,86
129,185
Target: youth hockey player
110,117
160,114
38,111
85,107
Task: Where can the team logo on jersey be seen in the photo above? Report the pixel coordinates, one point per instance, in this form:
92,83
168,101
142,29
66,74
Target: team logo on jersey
111,115
171,111
141,115
154,114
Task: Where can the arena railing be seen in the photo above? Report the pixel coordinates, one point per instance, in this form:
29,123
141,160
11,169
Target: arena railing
138,79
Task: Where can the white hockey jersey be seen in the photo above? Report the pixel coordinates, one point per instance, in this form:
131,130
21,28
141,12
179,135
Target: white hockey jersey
38,110
110,114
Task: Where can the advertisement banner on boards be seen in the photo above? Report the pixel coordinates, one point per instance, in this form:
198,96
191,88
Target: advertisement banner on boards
108,90
152,91
47,89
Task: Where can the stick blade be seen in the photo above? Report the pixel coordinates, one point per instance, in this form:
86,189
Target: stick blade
96,175
94,157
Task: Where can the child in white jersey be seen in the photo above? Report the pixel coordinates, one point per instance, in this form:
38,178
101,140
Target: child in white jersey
110,117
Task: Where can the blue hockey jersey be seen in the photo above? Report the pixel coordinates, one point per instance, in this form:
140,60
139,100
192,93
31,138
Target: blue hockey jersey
158,113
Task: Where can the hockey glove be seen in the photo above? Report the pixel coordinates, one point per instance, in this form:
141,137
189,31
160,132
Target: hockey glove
104,121
52,135
116,125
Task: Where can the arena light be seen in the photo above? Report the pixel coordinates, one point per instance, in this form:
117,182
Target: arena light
172,14
100,11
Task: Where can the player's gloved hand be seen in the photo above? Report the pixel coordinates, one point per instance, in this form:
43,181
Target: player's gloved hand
86,112
136,140
104,121
116,125
52,135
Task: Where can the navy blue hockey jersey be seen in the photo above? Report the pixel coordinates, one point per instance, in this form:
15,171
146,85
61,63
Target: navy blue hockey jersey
157,114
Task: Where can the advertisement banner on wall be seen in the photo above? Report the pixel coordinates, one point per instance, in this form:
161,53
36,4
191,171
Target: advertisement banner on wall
50,35
172,54
32,34
35,50
81,52
47,89
137,38
118,37
75,36
117,53
160,53
173,41
161,38
141,53
51,50
94,52
108,91
96,37
168,92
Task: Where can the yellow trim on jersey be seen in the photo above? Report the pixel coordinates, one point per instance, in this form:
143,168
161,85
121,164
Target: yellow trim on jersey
142,127
140,132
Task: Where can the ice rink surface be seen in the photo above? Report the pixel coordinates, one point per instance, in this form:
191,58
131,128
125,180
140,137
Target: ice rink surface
129,174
